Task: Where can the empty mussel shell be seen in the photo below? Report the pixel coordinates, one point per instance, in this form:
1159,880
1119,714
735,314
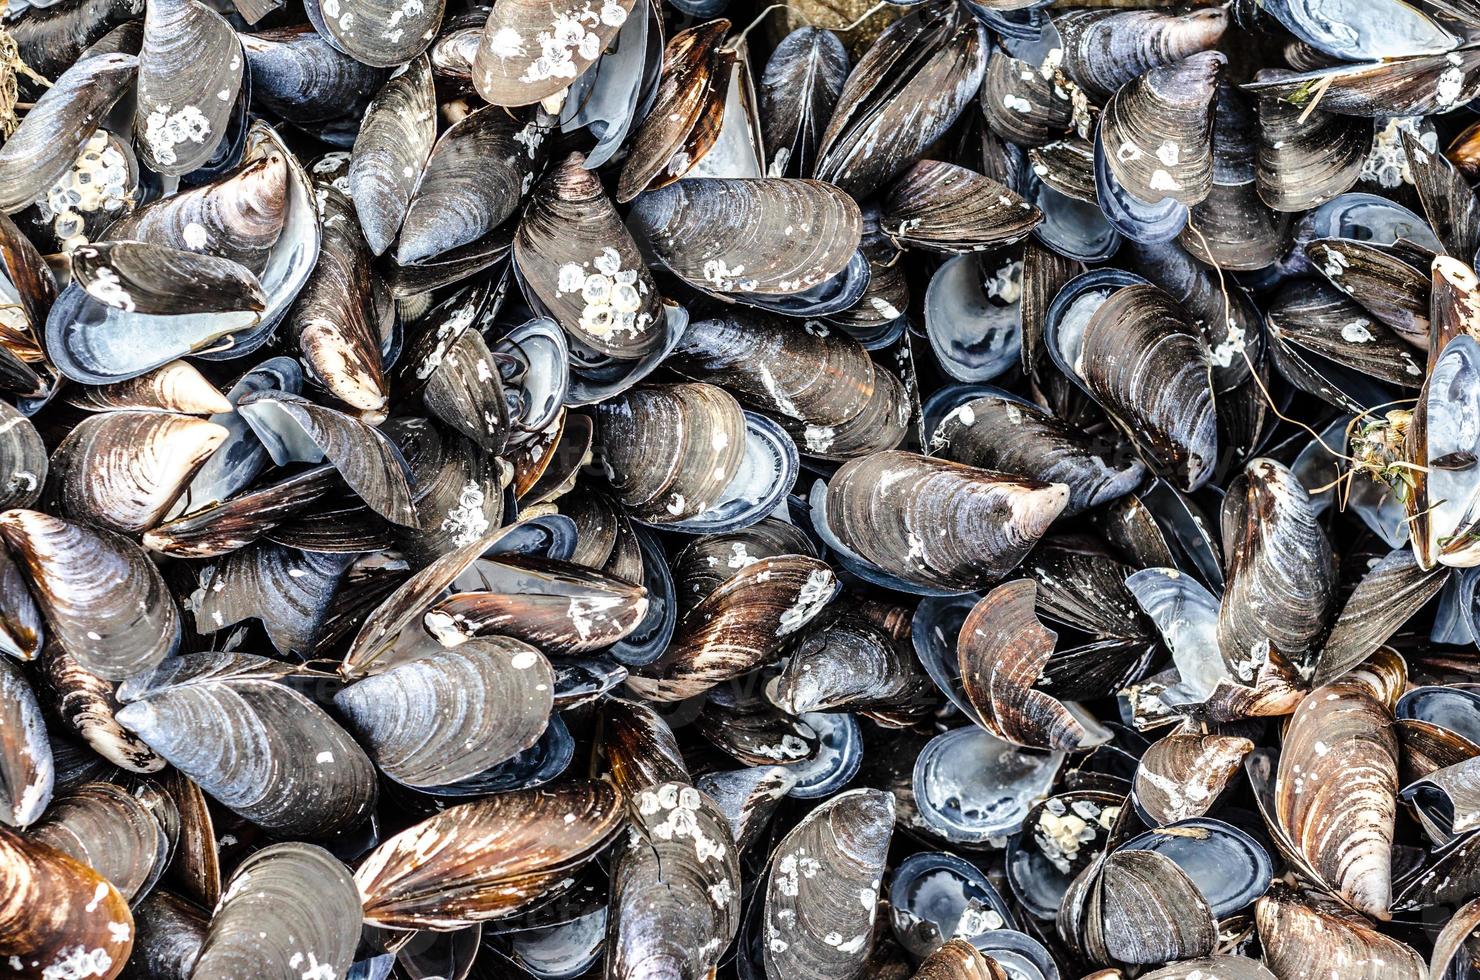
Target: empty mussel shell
970,787
935,896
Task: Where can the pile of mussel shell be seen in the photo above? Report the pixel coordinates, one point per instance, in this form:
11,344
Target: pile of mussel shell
704,490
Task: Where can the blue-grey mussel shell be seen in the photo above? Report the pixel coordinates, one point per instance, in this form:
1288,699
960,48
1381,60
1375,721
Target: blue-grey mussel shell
451,714
288,908
233,723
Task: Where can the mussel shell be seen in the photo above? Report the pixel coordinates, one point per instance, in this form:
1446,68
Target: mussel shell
970,787
670,451
1341,740
675,887
1158,131
943,207
531,51
741,236
902,95
800,86
1001,432
103,598
337,322
43,148
474,179
1229,867
263,749
489,858
60,914
559,607
169,933
88,703
123,470
429,721
909,514
738,626
846,665
288,906
1106,48
110,830
295,429
190,69
27,771
578,258
377,32
817,924
1003,649
818,377
1160,394
1281,578
1182,775
1305,935
23,462
302,78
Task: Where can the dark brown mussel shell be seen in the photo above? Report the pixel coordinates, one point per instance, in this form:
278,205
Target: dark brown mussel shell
675,898
93,479
190,68
1341,741
903,94
560,607
798,91
848,665
669,451
577,257
946,208
1305,156
817,924
174,387
88,703
817,377
474,178
103,599
957,959
531,51
938,524
1003,433
1182,774
1023,103
708,562
489,858
59,914
769,236
27,768
1003,649
1303,934
680,128
302,774
169,932
1148,366
738,626
1158,131
336,322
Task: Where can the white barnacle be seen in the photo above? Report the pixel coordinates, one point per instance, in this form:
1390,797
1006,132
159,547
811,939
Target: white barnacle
506,43
1356,331
1017,103
813,595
